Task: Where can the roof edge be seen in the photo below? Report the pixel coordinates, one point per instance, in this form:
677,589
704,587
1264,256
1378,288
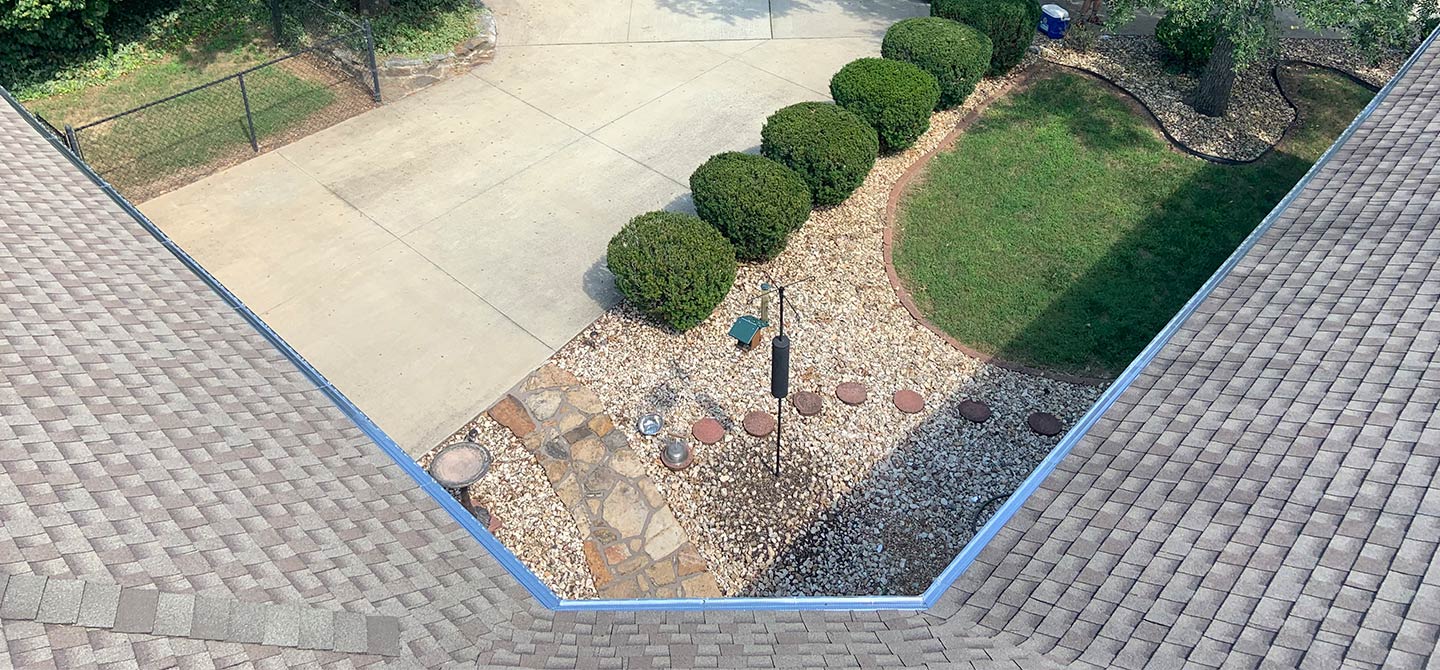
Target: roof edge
511,563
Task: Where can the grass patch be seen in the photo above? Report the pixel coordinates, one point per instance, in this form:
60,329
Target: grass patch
183,137
1063,232
147,82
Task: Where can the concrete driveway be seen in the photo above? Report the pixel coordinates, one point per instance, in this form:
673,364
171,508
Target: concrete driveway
428,254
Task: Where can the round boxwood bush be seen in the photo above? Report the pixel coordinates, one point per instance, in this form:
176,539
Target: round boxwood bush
1010,24
955,54
753,201
673,267
1188,44
895,97
831,148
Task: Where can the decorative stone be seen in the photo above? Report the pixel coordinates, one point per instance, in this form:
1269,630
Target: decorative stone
974,410
707,431
701,586
688,562
807,403
759,423
908,401
1045,423
601,424
543,404
851,393
598,568
589,450
625,511
586,401
511,414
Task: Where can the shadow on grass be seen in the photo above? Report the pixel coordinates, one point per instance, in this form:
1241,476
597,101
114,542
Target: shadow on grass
1062,232
919,506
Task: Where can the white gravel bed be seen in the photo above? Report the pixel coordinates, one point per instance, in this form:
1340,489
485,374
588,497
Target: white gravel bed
1258,113
535,525
869,500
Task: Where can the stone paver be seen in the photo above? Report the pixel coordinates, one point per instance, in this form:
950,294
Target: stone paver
1044,423
851,393
633,545
426,255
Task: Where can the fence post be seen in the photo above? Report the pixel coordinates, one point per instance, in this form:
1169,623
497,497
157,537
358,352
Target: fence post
277,24
249,121
370,53
73,140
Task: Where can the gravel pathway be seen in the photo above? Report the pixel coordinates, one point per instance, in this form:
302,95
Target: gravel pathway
869,500
1258,114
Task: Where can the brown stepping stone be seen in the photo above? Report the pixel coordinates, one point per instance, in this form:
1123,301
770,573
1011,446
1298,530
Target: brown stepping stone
1045,424
974,410
759,423
851,393
707,431
807,403
511,414
908,401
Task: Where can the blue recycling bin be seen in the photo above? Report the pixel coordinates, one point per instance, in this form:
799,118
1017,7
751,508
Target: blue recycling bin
1054,21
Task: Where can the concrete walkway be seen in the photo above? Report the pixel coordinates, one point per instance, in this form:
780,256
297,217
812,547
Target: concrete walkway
427,255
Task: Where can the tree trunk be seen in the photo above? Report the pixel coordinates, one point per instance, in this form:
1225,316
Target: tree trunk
1216,82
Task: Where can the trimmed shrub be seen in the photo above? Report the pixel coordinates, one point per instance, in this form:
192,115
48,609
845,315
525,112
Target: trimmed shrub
831,148
955,54
1010,24
753,201
894,97
1188,44
1083,36
673,267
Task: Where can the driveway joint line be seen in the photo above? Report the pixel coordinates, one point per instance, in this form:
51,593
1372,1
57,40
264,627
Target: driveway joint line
397,238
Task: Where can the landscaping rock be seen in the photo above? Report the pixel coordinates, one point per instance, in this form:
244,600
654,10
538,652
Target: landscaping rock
908,401
851,393
1044,423
807,403
759,424
869,500
707,431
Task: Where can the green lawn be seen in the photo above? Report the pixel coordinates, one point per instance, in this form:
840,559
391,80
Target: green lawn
1063,232
147,152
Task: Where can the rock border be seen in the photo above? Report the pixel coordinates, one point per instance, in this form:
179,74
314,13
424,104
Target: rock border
400,77
1222,160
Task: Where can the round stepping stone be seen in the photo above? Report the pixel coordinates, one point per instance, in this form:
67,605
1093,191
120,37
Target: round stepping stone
974,410
851,393
759,423
807,403
1044,423
908,401
707,431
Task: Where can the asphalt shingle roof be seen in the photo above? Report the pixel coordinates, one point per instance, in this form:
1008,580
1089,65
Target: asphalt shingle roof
1264,491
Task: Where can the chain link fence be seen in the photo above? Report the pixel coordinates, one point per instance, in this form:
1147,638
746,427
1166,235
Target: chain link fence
327,76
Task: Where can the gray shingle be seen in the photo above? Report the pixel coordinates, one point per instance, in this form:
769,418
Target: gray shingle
173,613
61,602
98,605
135,610
22,597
